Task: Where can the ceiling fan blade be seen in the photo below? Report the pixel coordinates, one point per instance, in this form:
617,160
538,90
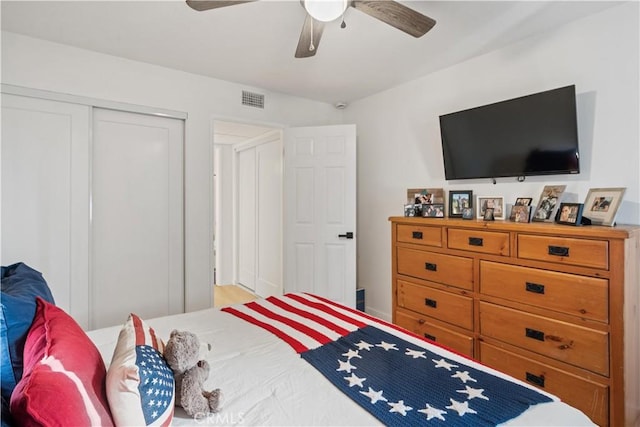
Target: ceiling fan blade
308,44
396,15
201,5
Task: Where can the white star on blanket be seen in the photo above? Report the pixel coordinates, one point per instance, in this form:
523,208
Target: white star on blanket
351,354
399,407
463,376
387,346
355,380
460,407
415,354
444,364
432,412
364,346
472,393
345,366
374,395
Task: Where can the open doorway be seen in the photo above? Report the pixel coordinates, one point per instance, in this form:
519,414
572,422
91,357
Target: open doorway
248,167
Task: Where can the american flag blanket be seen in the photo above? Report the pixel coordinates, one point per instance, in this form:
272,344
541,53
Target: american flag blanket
398,377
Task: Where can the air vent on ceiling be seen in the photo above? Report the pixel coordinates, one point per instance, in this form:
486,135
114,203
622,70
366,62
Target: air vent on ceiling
252,99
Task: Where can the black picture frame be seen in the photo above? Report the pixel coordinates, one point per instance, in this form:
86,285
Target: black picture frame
434,210
459,200
488,214
467,213
523,201
570,213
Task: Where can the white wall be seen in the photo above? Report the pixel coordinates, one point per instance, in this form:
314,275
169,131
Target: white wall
399,136
49,66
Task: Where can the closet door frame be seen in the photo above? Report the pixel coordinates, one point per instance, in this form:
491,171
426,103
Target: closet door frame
80,306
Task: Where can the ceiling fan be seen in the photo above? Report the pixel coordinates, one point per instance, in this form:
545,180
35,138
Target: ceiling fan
321,11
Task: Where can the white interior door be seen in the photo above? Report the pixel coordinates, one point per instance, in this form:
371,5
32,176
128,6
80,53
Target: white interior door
269,218
320,207
45,195
259,189
247,206
137,255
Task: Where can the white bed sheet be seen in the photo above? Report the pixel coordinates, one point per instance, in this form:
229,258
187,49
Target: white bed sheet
264,382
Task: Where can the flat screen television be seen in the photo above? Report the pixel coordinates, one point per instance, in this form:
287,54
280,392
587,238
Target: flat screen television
531,135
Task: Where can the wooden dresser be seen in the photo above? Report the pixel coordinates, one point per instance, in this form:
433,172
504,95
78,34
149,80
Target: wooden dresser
553,305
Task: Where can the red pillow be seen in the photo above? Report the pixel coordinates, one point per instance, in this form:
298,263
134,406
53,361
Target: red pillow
63,382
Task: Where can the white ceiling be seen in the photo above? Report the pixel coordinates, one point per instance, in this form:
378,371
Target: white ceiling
254,43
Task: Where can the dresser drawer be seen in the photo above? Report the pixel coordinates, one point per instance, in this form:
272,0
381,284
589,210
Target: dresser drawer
488,242
582,296
564,250
419,234
590,397
425,327
442,305
577,345
436,267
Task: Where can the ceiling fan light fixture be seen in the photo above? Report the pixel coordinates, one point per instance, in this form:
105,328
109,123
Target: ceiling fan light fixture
325,10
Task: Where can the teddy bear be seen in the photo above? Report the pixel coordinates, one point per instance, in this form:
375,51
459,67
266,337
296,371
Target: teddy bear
182,353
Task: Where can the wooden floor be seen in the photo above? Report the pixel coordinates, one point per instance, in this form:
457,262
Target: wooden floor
224,295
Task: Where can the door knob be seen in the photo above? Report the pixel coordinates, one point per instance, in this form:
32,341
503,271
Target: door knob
347,235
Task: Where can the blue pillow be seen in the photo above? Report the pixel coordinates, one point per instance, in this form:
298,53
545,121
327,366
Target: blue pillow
7,421
20,286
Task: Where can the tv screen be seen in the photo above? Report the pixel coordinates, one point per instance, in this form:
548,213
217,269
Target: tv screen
531,135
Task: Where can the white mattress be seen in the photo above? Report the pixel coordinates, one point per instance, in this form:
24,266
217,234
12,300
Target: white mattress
264,382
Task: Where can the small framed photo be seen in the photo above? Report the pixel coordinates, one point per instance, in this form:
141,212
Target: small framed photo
488,214
523,201
549,203
459,200
467,213
601,205
520,213
570,213
492,202
434,210
409,210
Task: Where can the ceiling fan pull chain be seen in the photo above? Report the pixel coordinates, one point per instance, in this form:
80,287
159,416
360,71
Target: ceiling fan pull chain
311,46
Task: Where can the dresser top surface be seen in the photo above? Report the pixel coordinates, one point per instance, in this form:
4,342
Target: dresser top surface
589,231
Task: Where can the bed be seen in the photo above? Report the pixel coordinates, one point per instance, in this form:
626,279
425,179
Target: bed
257,362
293,360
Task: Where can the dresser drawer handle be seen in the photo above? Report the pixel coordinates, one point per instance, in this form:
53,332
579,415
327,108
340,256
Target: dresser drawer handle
536,379
536,335
535,288
421,321
430,303
558,250
430,266
429,337
475,241
416,235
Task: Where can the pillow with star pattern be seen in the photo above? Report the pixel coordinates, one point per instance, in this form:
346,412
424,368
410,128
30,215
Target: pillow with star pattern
140,385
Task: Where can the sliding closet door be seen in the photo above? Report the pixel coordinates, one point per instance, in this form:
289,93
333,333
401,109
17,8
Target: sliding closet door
137,252
45,194
259,189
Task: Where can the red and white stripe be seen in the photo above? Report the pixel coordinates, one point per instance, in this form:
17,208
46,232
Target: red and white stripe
305,321
145,335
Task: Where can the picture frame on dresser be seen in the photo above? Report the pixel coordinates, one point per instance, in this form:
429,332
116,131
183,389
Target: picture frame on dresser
467,213
570,213
494,202
523,201
520,213
458,201
601,205
433,210
549,203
